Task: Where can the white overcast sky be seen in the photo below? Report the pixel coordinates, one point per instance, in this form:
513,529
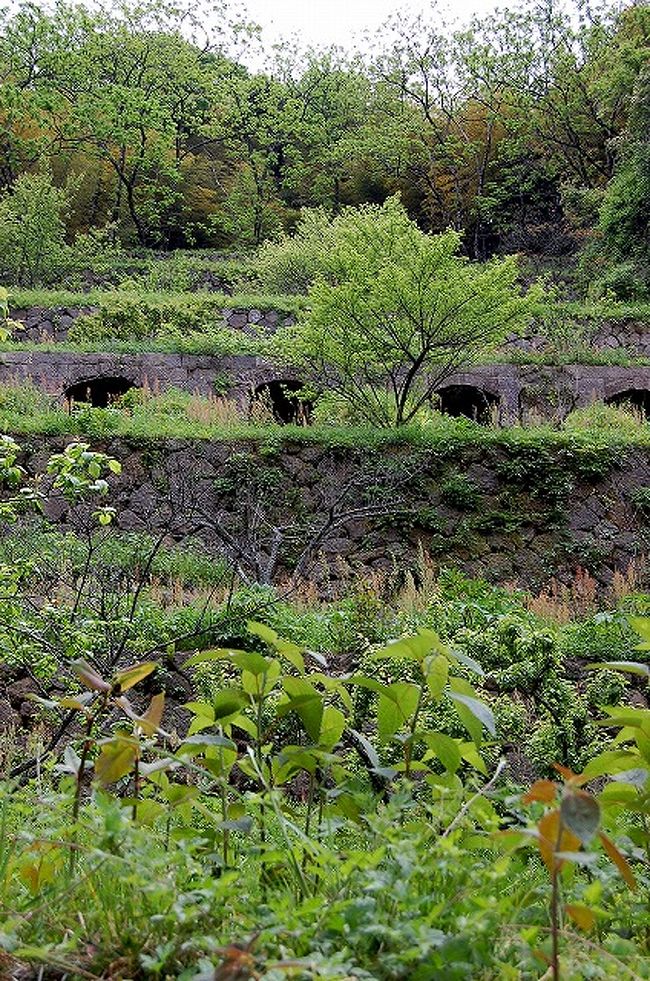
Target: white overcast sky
324,22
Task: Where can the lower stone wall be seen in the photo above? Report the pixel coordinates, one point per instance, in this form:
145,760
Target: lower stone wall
521,392
524,513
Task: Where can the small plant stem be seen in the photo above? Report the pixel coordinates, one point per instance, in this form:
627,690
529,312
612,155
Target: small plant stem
310,802
85,749
408,748
479,793
258,758
310,805
224,817
321,804
223,794
555,909
136,784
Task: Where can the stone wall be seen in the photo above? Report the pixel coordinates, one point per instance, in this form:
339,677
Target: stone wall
513,512
47,324
624,335
523,392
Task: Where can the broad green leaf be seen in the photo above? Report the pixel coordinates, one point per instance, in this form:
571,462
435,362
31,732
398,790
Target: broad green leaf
261,683
473,713
158,766
332,727
413,648
609,763
626,715
252,662
436,672
200,708
291,652
209,739
115,760
69,702
335,685
370,751
471,755
306,702
89,677
228,702
632,667
642,739
363,681
445,749
469,662
396,707
642,627
130,676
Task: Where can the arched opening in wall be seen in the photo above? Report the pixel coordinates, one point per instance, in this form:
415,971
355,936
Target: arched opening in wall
636,399
469,401
98,392
281,402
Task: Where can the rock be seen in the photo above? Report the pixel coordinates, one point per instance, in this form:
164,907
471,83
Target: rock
8,718
18,690
28,711
237,320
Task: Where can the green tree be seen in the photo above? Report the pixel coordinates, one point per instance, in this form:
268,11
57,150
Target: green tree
32,230
396,311
625,213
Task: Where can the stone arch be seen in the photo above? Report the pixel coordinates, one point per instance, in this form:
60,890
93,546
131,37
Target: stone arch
637,398
100,391
280,397
471,401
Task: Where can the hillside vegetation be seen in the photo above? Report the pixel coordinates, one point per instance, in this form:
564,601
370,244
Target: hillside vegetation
309,670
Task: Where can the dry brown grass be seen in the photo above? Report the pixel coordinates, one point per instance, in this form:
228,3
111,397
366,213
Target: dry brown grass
213,410
583,596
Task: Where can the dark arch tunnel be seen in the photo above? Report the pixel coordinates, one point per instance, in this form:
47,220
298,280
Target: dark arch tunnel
469,401
635,398
98,392
282,400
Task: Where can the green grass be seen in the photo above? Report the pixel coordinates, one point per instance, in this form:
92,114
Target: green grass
21,298
216,342
180,415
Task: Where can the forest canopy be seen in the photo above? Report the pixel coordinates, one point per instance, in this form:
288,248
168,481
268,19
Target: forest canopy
522,130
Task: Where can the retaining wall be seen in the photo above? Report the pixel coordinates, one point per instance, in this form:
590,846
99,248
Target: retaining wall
523,391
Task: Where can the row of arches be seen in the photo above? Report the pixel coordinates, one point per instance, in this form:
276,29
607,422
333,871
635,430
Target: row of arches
284,400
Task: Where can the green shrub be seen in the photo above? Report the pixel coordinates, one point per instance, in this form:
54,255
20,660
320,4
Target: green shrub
640,498
459,491
601,418
32,231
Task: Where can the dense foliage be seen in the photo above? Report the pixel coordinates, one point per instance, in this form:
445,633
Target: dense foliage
393,312
342,804
514,130
266,732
